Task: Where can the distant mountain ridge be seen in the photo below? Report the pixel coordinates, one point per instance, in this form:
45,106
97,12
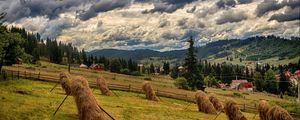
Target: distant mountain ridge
251,49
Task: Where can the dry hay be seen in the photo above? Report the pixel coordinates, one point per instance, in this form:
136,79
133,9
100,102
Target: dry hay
278,113
87,105
65,80
263,108
233,111
150,94
203,103
100,81
216,102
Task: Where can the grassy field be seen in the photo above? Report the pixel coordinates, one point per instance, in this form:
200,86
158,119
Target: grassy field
271,61
40,103
35,102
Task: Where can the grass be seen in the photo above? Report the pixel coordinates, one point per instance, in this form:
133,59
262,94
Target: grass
121,108
271,61
39,103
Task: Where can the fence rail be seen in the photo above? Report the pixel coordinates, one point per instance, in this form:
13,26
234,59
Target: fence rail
130,88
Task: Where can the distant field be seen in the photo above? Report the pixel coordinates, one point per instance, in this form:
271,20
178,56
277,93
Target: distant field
135,101
271,61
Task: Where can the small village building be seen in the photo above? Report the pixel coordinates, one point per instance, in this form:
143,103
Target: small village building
83,66
99,67
242,85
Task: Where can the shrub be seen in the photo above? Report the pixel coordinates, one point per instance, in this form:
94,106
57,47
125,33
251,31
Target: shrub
181,83
125,71
136,73
147,78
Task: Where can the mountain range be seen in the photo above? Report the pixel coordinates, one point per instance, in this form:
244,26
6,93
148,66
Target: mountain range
254,48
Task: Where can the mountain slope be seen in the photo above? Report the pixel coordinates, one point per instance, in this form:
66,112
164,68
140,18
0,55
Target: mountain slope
253,48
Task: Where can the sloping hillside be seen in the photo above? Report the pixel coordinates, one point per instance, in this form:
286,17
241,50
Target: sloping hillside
251,49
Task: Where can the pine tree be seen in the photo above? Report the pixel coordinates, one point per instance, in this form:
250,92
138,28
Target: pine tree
152,69
193,76
166,68
283,81
270,82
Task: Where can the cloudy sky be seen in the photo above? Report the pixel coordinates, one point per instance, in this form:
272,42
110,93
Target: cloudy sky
152,24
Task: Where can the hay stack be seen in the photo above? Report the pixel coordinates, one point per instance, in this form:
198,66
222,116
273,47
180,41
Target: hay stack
87,105
150,94
263,108
65,80
232,111
278,113
204,105
216,102
100,81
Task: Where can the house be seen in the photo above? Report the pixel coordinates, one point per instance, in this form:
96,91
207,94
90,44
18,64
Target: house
98,67
83,66
242,85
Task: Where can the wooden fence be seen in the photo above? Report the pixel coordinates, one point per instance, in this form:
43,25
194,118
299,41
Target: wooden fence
129,88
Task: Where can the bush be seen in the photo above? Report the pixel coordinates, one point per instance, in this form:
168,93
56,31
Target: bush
181,83
235,94
125,71
147,78
136,73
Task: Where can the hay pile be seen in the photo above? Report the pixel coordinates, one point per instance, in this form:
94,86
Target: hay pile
216,102
150,94
232,111
204,105
100,81
263,108
65,80
278,113
87,105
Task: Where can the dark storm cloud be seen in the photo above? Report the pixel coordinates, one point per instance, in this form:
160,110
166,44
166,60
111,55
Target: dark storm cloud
226,3
168,6
103,6
244,1
31,8
289,15
272,5
231,17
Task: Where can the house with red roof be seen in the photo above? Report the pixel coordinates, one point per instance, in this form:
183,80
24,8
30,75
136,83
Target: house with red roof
242,85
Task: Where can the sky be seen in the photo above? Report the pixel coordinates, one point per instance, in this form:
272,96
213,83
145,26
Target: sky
161,25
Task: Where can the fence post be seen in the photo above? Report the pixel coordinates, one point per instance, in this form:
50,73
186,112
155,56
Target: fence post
186,97
39,76
244,107
25,73
18,74
157,92
12,75
129,88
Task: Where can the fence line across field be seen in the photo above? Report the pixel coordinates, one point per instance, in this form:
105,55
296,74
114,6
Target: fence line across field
129,87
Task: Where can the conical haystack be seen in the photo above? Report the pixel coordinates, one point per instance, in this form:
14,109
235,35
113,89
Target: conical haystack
203,103
150,94
278,113
216,102
233,111
87,105
101,83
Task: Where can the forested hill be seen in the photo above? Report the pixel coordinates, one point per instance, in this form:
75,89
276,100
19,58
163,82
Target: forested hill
251,49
